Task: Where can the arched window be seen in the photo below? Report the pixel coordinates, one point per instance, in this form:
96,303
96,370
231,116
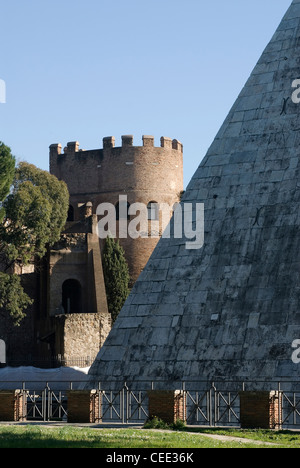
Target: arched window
72,297
122,211
153,211
70,214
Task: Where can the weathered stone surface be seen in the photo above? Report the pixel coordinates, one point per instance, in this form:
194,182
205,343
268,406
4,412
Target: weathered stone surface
230,309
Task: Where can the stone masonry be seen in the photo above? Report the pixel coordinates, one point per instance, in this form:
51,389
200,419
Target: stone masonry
230,309
75,321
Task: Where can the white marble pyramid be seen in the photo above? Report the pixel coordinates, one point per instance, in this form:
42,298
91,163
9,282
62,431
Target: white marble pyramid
232,308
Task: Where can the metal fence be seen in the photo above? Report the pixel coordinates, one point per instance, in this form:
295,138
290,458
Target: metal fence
51,362
211,404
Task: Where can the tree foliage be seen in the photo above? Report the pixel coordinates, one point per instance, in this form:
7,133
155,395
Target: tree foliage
13,298
36,212
7,172
116,275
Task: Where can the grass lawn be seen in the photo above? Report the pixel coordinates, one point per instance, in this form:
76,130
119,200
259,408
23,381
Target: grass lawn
81,437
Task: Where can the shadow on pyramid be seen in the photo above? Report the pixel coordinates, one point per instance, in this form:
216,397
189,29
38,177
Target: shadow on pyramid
230,310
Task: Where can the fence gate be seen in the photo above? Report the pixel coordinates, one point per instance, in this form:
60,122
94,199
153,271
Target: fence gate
46,405
199,407
124,406
206,404
290,407
213,407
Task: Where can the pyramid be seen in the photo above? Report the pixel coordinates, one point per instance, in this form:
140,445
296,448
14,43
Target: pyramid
230,310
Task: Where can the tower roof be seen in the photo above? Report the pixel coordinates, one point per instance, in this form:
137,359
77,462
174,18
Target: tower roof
230,309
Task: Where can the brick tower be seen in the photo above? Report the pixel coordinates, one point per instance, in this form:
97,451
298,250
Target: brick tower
145,174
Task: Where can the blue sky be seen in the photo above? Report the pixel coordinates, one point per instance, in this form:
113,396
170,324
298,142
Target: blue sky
86,69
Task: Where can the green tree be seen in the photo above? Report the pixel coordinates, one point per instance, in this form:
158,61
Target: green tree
116,275
7,172
35,214
13,298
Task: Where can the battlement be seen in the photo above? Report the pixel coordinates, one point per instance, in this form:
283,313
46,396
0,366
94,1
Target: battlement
127,141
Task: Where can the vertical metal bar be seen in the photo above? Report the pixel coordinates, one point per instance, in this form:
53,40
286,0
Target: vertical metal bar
217,407
50,404
140,405
24,400
99,402
43,404
215,398
123,404
47,401
128,404
210,406
50,396
60,406
279,406
34,405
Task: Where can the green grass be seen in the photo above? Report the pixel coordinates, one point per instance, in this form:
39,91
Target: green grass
288,439
81,437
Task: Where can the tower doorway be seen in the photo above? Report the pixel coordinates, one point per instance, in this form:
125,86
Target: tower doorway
72,297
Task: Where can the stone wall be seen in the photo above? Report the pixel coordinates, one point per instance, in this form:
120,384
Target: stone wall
83,335
76,334
230,310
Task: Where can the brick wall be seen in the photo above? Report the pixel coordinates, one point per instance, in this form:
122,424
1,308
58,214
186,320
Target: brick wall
143,173
261,410
12,406
167,405
83,406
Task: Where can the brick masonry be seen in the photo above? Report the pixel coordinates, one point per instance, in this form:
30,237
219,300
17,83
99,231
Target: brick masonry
261,410
12,406
144,173
83,406
167,405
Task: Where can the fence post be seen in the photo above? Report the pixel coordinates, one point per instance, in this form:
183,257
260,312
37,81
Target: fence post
168,405
259,410
12,405
82,406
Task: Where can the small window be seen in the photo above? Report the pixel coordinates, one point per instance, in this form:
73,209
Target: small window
153,211
122,211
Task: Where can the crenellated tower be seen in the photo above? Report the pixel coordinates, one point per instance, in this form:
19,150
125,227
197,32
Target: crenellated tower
146,174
